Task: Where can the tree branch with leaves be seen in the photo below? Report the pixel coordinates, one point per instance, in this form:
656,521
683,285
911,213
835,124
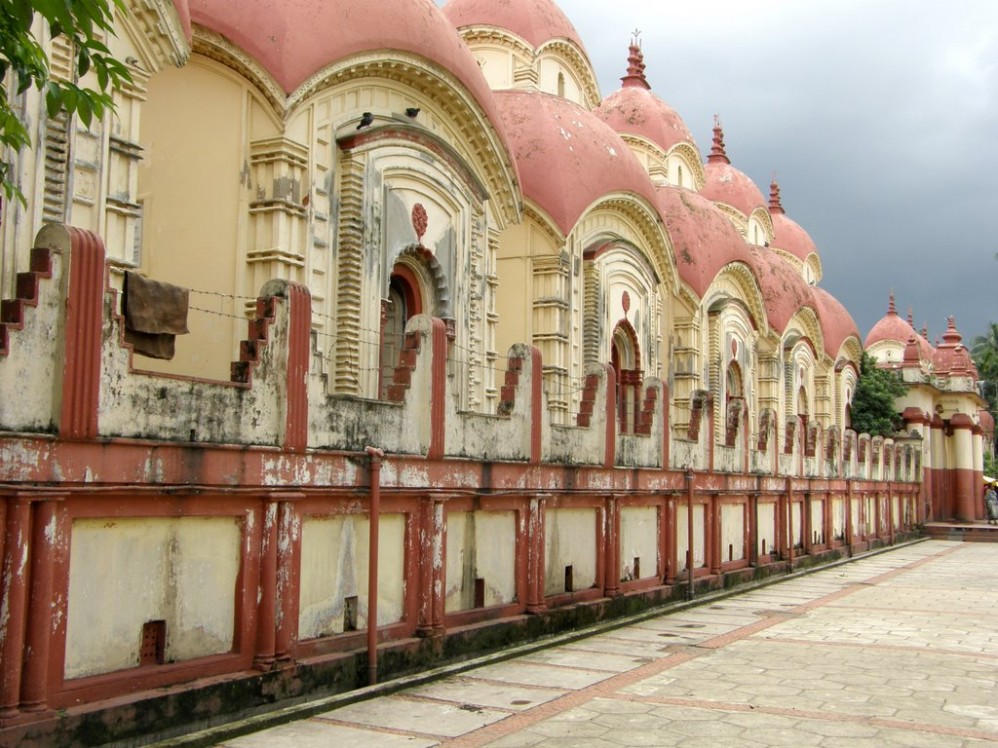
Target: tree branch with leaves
24,64
874,410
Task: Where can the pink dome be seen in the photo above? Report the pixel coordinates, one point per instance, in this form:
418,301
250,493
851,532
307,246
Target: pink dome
892,328
951,356
284,35
987,421
567,158
703,239
725,184
787,234
635,110
784,291
836,323
536,21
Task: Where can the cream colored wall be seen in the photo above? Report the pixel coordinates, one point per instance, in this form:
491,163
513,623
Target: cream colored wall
496,64
183,571
638,539
194,187
334,566
474,552
732,532
682,536
549,66
766,524
514,302
569,539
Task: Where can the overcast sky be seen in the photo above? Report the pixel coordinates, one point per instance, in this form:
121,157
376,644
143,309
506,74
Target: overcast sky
879,119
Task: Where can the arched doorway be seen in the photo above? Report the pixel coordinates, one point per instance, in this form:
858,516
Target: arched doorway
625,358
404,300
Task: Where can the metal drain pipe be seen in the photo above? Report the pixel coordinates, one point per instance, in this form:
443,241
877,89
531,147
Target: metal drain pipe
690,591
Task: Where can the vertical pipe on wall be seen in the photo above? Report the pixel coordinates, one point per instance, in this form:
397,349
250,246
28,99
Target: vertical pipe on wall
375,456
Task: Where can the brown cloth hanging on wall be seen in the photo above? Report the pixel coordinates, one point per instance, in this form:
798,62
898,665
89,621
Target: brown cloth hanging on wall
155,313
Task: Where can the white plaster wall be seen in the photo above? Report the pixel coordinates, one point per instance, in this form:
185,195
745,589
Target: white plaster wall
732,532
838,518
817,533
682,540
638,539
797,524
125,572
334,566
766,523
480,545
857,526
569,538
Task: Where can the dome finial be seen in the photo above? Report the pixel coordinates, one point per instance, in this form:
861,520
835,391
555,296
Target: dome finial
717,152
775,206
891,309
635,64
911,318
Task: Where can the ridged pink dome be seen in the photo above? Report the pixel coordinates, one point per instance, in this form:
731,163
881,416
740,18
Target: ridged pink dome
703,239
294,39
567,157
635,110
787,234
725,184
836,323
535,21
784,290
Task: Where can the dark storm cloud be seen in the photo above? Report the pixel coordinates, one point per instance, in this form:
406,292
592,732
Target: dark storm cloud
877,119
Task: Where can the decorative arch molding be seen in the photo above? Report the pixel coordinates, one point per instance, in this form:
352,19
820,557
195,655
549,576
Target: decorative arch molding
737,218
791,259
425,265
216,47
490,35
157,35
691,157
454,103
543,221
647,225
814,262
767,428
578,63
741,284
766,221
406,134
805,324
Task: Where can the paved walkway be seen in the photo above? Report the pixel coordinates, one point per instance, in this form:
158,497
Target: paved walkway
895,649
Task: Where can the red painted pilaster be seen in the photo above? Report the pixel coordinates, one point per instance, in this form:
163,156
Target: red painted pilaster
438,391
299,355
849,518
537,414
752,529
13,603
424,627
266,617
84,313
807,524
712,514
666,540
612,561
890,513
535,555
610,452
439,566
288,574
41,624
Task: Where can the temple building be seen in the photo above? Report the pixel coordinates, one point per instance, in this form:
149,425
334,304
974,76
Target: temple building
365,335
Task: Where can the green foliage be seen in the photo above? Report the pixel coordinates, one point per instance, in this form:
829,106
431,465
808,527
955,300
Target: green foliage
985,352
24,64
873,409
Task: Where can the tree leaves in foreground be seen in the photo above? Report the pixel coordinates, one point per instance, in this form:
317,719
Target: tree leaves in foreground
984,350
24,64
873,409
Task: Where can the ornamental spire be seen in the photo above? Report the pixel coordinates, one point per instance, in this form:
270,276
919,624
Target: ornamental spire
717,153
635,77
891,309
775,206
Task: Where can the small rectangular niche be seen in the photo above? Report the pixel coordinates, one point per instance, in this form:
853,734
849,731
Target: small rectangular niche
479,592
569,582
350,608
153,649
637,567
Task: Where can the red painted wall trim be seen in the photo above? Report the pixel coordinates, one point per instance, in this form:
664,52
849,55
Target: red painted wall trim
438,390
299,355
84,311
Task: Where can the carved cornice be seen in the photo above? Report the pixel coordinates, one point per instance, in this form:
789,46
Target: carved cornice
751,295
216,47
691,157
762,216
154,26
455,104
